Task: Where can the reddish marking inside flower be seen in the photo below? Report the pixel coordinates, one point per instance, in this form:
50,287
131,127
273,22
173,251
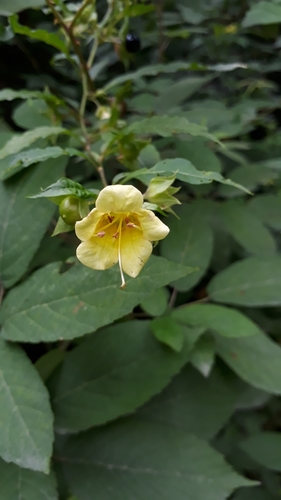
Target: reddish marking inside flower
101,234
127,220
110,218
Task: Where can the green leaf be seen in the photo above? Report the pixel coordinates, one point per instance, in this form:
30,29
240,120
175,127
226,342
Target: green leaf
157,303
33,113
144,460
190,242
247,229
257,493
168,331
199,154
267,207
9,7
262,13
41,35
255,359
265,449
82,300
203,355
21,484
250,282
47,363
190,396
25,159
24,222
18,143
11,95
26,436
96,385
222,320
251,177
166,126
64,187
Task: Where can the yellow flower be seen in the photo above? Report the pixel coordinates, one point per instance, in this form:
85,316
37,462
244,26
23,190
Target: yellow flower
118,230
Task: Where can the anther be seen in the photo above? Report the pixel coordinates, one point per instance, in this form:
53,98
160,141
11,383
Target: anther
101,234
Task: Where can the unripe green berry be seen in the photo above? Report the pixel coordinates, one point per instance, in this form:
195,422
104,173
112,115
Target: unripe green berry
69,210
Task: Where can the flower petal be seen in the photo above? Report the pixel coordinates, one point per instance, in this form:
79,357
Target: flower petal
85,228
98,253
153,228
135,251
119,198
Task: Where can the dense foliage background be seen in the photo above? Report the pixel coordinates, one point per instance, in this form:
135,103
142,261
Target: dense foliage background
169,388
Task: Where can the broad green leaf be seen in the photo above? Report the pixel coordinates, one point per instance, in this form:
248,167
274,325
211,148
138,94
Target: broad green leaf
247,229
47,363
168,331
199,154
257,493
157,303
166,126
24,222
262,13
250,282
173,67
9,7
41,35
190,396
33,113
22,484
144,460
98,384
203,355
267,207
222,320
26,418
256,359
251,177
11,95
265,449
18,143
190,242
22,160
82,300
64,187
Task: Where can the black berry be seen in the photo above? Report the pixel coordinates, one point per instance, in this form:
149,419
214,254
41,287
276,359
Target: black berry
132,43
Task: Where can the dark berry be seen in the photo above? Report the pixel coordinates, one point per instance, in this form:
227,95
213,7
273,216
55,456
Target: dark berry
132,43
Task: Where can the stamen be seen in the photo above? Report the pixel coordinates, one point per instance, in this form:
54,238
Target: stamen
115,235
123,282
101,234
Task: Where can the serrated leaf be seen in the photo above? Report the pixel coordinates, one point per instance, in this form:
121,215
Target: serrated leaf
168,331
249,176
106,383
247,229
264,448
26,418
41,35
81,299
190,242
24,222
18,143
262,13
250,282
23,484
144,460
26,158
256,359
222,320
190,396
64,187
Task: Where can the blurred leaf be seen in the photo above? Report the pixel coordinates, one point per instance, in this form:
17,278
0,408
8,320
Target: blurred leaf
251,177
26,418
256,359
64,187
157,303
161,459
82,300
222,320
262,13
190,242
267,207
265,449
10,94
33,113
41,35
199,154
190,396
98,384
17,143
9,7
24,222
247,229
168,331
257,493
179,91
203,355
47,363
250,282
21,484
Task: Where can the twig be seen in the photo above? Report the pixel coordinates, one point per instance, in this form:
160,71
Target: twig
173,298
78,14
